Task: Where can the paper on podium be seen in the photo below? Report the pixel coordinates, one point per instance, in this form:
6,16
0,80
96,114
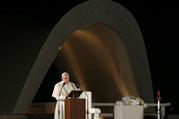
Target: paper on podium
75,93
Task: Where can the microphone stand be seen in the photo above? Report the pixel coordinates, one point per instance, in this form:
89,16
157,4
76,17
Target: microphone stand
62,88
86,98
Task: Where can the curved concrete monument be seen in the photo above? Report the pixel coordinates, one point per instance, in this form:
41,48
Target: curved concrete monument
113,32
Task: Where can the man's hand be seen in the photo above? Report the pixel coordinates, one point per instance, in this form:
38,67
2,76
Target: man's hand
67,94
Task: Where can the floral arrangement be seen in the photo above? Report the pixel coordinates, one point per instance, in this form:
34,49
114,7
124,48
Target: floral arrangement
141,102
127,100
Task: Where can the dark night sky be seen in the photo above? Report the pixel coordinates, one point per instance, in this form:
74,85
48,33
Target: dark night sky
158,23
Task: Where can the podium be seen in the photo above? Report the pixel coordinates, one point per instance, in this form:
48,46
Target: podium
74,107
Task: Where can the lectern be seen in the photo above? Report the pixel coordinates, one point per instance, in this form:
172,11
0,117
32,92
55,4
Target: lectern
74,107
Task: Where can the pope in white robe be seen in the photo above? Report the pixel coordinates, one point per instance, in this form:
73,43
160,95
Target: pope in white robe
61,90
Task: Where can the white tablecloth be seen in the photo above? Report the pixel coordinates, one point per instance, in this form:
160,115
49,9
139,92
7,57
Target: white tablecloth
128,112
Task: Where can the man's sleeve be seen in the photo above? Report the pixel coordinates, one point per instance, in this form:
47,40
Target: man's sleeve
56,92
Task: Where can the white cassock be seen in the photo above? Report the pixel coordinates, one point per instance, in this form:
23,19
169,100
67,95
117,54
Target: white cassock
60,97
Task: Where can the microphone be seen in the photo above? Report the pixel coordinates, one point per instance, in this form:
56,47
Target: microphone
63,84
78,87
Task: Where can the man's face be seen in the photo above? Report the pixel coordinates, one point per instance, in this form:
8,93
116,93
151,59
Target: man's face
65,78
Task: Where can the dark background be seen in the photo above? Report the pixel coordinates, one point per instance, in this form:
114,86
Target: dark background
157,20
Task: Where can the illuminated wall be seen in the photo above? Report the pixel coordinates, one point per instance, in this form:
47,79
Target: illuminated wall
99,61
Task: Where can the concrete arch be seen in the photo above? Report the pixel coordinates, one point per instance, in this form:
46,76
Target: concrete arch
91,12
